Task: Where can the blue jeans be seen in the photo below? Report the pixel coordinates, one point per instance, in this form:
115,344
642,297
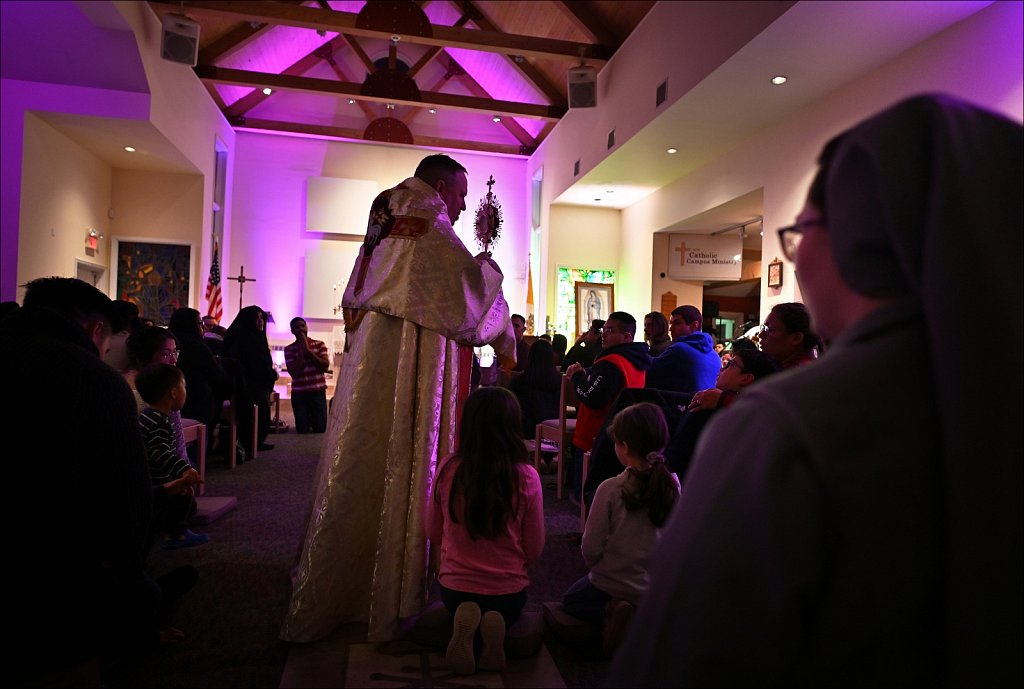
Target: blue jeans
310,409
585,601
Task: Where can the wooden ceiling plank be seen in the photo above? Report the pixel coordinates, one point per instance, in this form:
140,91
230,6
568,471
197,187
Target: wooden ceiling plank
301,66
363,57
474,86
232,42
433,51
523,65
586,21
347,133
367,109
352,90
345,23
416,112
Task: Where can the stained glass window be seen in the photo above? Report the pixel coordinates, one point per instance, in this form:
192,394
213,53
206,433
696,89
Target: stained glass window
565,299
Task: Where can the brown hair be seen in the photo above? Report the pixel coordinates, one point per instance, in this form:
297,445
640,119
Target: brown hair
643,429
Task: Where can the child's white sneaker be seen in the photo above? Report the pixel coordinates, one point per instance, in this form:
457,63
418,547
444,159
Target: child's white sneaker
492,631
459,657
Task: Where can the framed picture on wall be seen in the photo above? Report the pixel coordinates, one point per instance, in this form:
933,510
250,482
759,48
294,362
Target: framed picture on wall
775,273
154,275
593,300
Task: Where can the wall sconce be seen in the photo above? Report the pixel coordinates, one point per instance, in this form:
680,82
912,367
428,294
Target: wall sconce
92,238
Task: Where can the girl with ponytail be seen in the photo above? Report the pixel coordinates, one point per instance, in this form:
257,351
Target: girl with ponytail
624,523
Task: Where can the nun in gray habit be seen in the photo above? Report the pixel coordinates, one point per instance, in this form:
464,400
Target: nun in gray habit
858,521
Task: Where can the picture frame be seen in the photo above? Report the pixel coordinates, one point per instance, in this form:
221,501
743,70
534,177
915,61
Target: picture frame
593,300
775,273
157,276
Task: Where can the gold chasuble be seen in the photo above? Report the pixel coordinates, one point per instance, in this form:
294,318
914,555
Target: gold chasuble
416,303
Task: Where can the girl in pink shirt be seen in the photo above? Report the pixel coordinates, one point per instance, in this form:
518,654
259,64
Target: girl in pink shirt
486,510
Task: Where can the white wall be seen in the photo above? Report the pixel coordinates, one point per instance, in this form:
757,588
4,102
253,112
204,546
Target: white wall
582,237
964,60
65,189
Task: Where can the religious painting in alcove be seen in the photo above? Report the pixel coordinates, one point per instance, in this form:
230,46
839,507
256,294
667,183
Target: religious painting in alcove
154,276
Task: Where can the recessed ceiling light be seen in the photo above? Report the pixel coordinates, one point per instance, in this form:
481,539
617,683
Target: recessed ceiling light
737,257
597,199
496,118
779,80
267,91
351,101
391,106
433,111
672,151
130,149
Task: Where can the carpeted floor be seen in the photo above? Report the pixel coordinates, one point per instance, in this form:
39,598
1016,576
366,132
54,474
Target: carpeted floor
233,615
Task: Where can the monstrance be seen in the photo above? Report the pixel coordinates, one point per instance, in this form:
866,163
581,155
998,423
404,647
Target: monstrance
487,227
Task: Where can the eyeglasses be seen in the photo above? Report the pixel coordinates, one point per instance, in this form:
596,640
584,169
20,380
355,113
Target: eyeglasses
791,236
730,363
172,353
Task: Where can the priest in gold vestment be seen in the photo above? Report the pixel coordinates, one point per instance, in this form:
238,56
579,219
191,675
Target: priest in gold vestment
417,302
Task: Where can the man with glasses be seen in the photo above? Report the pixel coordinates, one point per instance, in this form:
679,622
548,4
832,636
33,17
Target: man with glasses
858,521
621,364
691,363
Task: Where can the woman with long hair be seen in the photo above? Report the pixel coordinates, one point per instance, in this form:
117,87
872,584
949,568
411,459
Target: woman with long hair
538,388
787,336
207,381
246,341
486,512
656,332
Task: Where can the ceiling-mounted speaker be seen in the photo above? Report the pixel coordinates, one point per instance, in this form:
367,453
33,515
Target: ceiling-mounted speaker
582,87
181,39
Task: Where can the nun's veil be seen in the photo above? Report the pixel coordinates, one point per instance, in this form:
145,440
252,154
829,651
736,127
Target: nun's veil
925,200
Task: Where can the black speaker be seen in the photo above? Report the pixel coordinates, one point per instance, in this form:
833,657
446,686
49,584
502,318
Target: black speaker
582,87
180,40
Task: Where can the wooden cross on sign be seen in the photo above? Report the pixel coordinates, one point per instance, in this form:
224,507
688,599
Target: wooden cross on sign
241,280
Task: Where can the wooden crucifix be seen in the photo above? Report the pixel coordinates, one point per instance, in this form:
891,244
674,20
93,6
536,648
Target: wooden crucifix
241,280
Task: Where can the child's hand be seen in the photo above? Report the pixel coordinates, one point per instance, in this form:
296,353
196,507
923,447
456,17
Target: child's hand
178,486
191,476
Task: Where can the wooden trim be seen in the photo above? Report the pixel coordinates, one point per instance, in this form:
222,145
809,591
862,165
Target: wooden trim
587,22
357,135
239,77
445,36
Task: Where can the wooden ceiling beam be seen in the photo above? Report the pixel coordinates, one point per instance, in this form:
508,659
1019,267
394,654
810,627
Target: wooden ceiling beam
520,62
584,19
235,39
474,86
356,134
232,42
432,52
301,66
345,22
352,90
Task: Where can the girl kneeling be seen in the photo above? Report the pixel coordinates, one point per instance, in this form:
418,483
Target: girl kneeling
624,524
486,510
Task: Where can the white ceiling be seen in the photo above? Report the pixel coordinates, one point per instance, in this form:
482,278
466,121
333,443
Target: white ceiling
820,46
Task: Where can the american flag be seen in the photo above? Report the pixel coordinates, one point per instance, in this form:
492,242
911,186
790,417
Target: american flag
214,306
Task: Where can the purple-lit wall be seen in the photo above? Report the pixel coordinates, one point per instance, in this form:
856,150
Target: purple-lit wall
269,213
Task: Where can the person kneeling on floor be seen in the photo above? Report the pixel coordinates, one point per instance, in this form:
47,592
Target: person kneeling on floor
624,524
486,510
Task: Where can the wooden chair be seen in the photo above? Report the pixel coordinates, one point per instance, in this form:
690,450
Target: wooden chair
228,414
558,431
195,431
584,509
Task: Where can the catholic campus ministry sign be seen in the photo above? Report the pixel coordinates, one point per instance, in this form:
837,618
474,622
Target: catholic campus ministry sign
703,257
